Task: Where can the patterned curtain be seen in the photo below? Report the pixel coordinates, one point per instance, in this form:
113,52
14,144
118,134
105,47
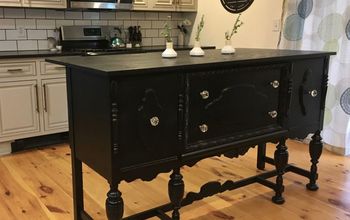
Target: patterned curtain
325,25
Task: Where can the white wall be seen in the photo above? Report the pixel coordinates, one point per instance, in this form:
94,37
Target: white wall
257,31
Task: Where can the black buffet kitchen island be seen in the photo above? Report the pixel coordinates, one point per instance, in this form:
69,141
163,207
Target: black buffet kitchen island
137,115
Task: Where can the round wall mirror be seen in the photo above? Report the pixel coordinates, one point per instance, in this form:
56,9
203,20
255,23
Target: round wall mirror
236,6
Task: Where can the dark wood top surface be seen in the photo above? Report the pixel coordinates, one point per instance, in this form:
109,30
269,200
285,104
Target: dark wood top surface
145,62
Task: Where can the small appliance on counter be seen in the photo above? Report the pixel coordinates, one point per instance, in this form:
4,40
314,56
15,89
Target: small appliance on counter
93,40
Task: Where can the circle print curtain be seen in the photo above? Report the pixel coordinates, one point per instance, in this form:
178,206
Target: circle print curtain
325,25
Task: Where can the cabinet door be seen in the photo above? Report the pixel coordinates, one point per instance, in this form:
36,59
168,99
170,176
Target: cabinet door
307,96
235,103
45,3
187,5
148,112
55,104
10,3
164,5
141,5
19,108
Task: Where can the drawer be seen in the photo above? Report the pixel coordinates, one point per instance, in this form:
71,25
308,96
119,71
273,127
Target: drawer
51,69
17,69
231,102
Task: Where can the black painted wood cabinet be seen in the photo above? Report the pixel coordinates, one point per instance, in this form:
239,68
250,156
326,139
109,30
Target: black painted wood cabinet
140,115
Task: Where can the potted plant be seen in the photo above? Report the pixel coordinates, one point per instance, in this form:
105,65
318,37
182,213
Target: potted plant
228,48
197,50
181,41
169,52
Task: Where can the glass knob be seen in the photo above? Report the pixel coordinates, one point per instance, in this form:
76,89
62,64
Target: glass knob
313,93
273,114
205,94
275,84
204,128
154,121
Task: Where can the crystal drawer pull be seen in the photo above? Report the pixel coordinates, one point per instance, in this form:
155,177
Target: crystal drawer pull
275,84
154,121
204,128
313,93
273,114
204,94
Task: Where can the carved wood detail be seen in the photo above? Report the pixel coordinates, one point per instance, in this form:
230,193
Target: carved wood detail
114,117
303,90
149,107
324,85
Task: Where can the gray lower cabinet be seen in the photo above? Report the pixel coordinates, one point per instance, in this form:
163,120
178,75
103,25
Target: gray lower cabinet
33,99
19,110
54,104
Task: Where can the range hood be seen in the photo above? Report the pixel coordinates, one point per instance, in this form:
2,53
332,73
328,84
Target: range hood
101,4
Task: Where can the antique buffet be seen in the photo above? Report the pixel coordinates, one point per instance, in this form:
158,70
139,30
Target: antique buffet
135,116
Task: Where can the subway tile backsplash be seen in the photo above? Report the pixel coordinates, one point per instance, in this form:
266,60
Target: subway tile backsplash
28,29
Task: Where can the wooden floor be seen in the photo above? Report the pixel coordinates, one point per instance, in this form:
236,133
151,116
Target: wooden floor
37,185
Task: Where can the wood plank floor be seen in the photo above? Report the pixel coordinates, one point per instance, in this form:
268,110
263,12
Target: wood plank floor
37,185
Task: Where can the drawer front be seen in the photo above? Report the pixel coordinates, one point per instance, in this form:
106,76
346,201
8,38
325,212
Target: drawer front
52,69
147,128
232,102
307,96
17,69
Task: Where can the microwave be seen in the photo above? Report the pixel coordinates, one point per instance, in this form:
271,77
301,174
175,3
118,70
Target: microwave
101,4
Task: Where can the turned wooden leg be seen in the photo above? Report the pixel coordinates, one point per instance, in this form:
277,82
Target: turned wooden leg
77,176
315,150
281,161
261,156
114,204
176,190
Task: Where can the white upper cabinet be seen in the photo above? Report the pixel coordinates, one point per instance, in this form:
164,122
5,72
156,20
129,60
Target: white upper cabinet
187,5
166,5
35,3
9,3
141,5
45,3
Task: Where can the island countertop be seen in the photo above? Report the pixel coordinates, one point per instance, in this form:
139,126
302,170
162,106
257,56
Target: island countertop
145,62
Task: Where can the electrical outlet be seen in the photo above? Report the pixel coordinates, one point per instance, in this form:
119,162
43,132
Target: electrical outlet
276,25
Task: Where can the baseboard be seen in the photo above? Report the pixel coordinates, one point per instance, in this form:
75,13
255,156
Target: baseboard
41,141
337,150
5,148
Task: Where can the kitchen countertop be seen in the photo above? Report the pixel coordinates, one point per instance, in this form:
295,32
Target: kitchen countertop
47,53
150,62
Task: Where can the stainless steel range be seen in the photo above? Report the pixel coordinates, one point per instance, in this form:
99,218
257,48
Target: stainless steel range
92,40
